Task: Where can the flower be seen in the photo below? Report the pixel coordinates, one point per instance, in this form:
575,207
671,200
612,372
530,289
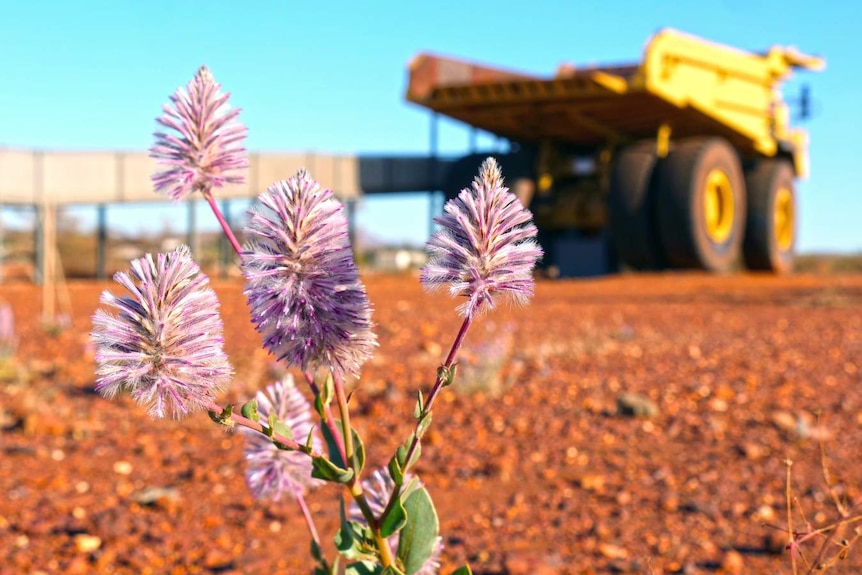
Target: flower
207,152
165,346
486,245
272,472
302,284
378,488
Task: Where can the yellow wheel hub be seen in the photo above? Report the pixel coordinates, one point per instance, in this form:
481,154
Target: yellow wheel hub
783,219
718,208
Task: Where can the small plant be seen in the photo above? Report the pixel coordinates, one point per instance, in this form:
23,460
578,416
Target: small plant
164,347
830,542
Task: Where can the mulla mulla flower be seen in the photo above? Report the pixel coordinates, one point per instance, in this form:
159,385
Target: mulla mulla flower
485,246
378,487
302,283
273,473
165,345
207,150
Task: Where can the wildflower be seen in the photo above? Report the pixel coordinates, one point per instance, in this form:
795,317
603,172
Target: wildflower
378,488
272,472
302,285
207,152
165,346
486,245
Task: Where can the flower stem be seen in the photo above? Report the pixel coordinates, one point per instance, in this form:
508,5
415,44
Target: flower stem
309,520
450,360
429,401
328,420
438,383
221,220
344,411
239,419
355,485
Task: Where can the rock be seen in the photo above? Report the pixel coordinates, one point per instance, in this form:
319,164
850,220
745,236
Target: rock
524,563
613,551
592,482
751,450
732,563
634,405
156,495
85,543
783,420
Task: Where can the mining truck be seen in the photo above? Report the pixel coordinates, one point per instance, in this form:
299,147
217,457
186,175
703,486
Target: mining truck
685,160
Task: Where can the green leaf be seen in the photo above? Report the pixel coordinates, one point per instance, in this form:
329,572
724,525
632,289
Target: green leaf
353,540
268,429
318,407
395,470
223,418
309,441
463,570
392,570
419,536
324,398
280,427
408,489
358,452
423,424
335,453
401,454
394,520
416,454
447,374
419,410
332,445
249,410
322,567
316,553
364,568
327,391
322,468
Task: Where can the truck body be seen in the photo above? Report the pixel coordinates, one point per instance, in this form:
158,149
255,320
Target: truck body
686,159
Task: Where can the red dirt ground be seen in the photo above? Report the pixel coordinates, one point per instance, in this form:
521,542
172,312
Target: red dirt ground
534,472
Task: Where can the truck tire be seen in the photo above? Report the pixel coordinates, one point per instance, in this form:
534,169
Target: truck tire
631,207
701,206
770,231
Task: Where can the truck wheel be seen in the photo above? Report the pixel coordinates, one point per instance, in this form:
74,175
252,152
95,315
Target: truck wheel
701,208
631,207
770,231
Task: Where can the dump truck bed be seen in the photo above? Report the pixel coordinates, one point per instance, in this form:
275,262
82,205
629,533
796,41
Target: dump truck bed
693,86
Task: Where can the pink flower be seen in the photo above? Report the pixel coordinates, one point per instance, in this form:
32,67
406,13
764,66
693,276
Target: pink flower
302,283
206,152
165,346
486,246
272,473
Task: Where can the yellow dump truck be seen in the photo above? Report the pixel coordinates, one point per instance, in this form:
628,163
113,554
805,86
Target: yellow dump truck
684,160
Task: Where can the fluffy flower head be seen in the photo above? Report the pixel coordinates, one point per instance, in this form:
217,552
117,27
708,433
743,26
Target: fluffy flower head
485,246
378,488
165,345
272,473
206,151
302,284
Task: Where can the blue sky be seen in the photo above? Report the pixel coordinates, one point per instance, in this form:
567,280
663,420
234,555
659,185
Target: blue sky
93,75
